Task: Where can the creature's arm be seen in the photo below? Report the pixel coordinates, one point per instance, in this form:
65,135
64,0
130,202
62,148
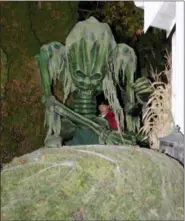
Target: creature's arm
51,64
108,136
124,67
124,64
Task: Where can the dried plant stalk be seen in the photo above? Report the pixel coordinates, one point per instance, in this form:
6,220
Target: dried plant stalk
157,116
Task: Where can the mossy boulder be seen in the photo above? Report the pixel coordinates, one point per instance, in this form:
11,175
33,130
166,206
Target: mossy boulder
92,183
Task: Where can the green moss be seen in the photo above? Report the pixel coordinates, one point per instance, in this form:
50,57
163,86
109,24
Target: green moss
151,49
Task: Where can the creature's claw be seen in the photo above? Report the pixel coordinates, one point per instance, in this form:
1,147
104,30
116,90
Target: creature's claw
53,141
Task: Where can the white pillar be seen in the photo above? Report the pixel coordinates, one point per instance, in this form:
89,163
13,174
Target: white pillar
174,77
178,68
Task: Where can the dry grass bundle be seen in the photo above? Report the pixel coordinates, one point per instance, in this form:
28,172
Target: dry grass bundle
157,116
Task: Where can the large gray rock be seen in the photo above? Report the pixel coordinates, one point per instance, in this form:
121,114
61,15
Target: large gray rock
92,183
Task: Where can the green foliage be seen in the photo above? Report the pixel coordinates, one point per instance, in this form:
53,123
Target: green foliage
151,48
92,183
124,16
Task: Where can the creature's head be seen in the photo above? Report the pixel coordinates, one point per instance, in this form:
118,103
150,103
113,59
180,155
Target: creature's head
89,46
91,61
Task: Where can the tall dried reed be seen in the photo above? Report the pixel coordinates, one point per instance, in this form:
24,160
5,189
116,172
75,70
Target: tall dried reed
157,116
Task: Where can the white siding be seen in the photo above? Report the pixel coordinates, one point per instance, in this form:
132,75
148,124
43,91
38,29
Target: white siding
178,68
151,10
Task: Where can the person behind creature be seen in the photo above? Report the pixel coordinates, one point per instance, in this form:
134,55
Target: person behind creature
107,114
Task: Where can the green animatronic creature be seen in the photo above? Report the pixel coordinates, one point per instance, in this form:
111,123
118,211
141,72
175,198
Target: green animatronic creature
90,62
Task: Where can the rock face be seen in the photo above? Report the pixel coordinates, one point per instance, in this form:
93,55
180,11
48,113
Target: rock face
92,183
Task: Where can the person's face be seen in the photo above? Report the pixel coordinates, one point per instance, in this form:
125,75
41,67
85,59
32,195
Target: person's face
104,108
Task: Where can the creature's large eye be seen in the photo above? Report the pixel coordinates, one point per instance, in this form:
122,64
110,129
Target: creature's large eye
126,51
96,76
56,46
80,74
